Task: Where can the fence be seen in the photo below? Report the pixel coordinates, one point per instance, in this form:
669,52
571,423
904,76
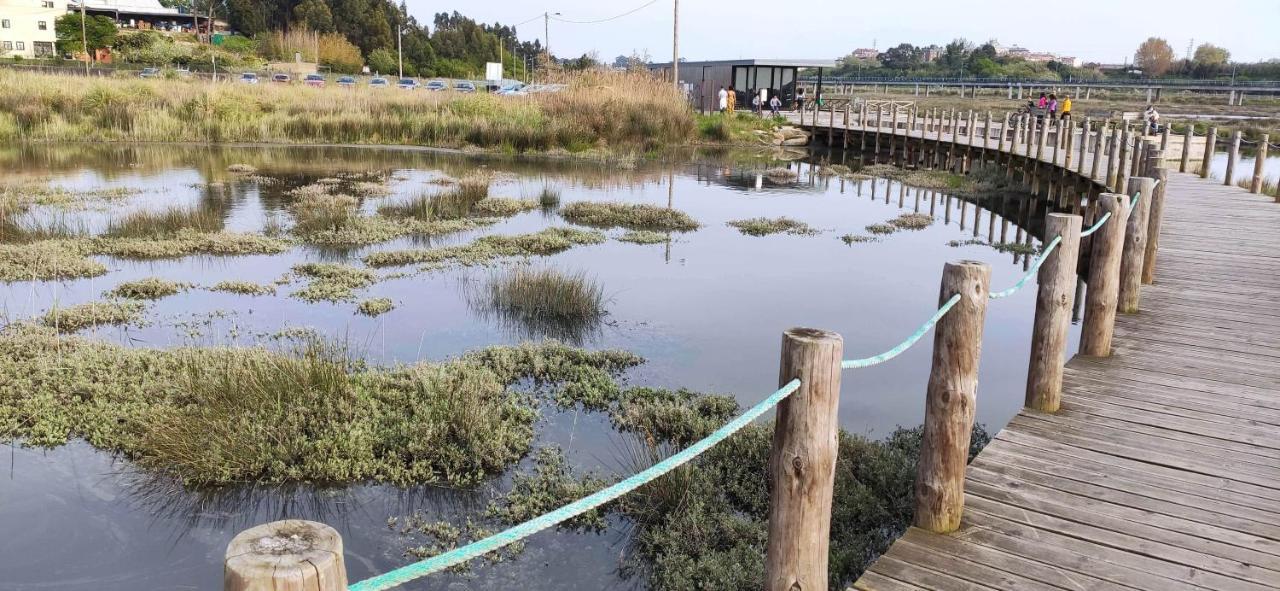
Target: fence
302,554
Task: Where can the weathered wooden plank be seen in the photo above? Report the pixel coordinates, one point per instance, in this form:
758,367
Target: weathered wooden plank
957,547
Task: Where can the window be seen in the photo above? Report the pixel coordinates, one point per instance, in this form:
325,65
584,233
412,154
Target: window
20,46
42,48
42,25
6,45
47,3
4,24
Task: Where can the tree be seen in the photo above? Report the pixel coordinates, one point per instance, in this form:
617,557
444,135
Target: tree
903,57
100,31
314,15
382,60
636,62
1154,57
1209,59
956,53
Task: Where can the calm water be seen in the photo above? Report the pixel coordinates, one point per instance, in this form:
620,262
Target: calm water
705,309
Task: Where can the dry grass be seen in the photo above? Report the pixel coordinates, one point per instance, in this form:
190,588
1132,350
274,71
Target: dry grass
633,112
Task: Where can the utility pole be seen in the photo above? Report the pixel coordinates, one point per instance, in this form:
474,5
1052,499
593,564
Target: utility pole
675,47
84,38
546,32
400,50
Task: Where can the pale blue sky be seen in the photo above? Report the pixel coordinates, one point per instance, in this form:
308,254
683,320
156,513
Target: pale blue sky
1094,30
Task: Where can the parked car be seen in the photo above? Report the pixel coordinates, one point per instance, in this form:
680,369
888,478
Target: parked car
464,86
150,73
436,85
347,81
281,78
379,83
182,72
513,89
248,78
407,84
315,80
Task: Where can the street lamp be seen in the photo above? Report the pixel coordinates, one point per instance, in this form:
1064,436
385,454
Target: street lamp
400,50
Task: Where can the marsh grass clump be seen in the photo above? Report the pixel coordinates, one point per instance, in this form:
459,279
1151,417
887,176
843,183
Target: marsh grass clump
939,180
332,282
150,288
312,412
81,316
551,485
486,249
852,239
549,197
503,206
643,237
631,216
1003,247
912,221
375,306
768,226
781,175
321,212
543,303
47,260
167,222
187,242
242,169
244,288
882,228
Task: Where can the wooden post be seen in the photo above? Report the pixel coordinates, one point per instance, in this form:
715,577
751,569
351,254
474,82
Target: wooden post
802,462
844,137
1164,139
1084,144
1232,156
1255,186
1099,146
1104,276
1187,146
951,398
1154,219
1122,162
289,554
1069,143
1054,301
831,124
1135,244
1210,142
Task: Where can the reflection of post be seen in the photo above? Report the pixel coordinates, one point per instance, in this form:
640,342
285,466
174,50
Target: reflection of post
671,192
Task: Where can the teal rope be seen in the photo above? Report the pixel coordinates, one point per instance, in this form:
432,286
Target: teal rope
904,345
1097,226
1034,267
478,548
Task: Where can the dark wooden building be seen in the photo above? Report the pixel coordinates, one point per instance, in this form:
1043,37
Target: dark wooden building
776,77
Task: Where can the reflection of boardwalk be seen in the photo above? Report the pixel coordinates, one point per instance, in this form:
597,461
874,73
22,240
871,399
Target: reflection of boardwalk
1162,470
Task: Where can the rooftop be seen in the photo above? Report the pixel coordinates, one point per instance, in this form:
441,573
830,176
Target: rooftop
786,63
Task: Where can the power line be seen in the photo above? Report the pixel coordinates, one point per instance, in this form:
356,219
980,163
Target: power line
605,20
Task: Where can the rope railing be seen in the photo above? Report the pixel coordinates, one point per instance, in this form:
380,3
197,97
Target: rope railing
1030,273
900,348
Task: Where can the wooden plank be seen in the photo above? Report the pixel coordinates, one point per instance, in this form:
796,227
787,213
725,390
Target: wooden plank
873,581
892,567
908,550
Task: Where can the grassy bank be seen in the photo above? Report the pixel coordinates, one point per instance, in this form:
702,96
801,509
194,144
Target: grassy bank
596,111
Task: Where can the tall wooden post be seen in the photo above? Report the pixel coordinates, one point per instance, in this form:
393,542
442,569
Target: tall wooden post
290,554
1255,185
1186,147
1084,144
1104,276
1054,301
1154,220
951,398
1135,244
1122,162
802,462
1210,143
1112,151
1232,156
1099,146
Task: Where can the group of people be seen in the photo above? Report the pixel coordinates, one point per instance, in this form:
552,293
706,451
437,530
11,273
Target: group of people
759,100
1051,104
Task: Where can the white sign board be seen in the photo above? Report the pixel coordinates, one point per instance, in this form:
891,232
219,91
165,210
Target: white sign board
492,71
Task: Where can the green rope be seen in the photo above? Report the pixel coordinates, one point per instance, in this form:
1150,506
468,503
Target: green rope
1034,267
1097,226
904,345
478,548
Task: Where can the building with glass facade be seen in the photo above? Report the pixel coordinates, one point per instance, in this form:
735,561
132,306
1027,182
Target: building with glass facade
769,77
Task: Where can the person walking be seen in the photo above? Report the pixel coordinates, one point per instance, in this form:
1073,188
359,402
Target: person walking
724,100
733,99
1053,106
1044,101
1066,106
775,103
757,108
800,99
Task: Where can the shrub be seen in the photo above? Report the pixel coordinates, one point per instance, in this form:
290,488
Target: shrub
637,216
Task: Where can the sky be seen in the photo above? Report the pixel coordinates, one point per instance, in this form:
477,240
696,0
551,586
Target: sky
1104,31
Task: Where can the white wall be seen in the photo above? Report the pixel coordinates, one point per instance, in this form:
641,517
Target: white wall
23,19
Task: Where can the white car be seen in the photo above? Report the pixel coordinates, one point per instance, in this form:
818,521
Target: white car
248,78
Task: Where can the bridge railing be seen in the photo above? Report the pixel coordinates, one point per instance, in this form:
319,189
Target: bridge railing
303,554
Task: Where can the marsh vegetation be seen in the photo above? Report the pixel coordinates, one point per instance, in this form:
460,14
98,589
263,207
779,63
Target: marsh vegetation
539,303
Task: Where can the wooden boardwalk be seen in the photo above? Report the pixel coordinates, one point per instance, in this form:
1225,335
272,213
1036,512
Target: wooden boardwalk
1162,470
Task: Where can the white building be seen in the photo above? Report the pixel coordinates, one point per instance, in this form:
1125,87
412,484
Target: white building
26,27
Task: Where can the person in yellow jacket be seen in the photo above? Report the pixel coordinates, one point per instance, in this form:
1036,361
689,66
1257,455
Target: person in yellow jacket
1066,106
733,99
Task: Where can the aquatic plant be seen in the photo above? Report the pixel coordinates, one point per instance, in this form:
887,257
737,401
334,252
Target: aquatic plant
781,175
331,282
47,260
81,316
244,169
487,249
912,221
643,237
244,288
542,303
375,306
632,216
316,212
214,416
184,243
550,484
150,288
166,222
857,238
549,197
1005,247
882,228
767,226
503,206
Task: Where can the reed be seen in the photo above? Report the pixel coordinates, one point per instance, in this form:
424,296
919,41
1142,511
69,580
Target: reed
166,222
543,303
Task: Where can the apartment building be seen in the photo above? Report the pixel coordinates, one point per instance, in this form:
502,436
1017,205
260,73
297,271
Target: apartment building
26,27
